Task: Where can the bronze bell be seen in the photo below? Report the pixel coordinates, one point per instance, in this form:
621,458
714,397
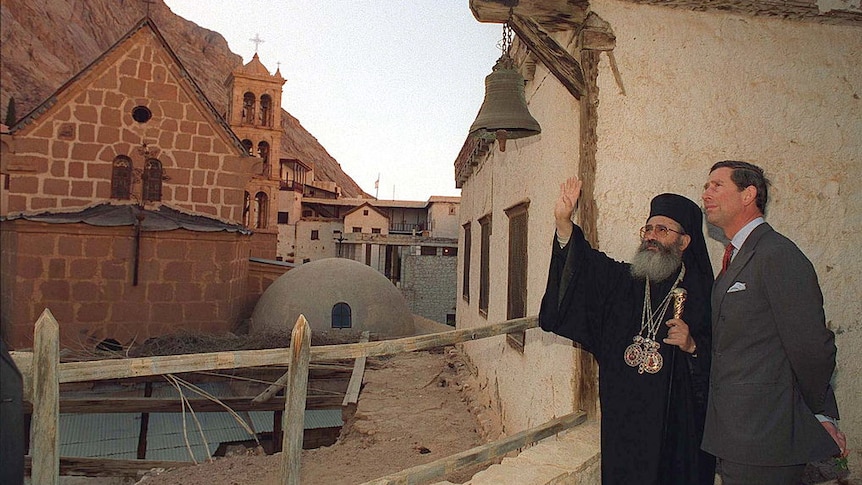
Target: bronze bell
504,114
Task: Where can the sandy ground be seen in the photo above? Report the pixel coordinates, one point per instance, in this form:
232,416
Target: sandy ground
414,408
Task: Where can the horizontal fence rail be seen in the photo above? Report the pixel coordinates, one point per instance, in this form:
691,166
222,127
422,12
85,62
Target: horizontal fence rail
113,405
97,370
43,373
480,454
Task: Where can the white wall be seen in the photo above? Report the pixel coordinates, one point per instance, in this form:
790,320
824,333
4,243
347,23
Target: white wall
530,386
693,88
323,247
369,221
443,218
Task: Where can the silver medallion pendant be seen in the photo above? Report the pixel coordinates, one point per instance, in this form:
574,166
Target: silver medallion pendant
633,355
652,360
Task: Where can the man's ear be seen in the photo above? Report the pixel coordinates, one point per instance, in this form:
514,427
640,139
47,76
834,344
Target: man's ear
684,241
749,195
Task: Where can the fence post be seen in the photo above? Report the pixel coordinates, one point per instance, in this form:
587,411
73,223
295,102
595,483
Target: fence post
46,401
295,395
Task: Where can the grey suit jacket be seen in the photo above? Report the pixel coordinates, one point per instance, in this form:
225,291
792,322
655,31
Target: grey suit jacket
772,358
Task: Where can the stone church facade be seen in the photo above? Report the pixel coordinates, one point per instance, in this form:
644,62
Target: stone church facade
123,204
131,208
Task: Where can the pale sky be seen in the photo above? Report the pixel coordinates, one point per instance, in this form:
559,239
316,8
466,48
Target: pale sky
388,87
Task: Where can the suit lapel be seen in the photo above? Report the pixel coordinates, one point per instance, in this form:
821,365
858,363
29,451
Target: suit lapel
740,261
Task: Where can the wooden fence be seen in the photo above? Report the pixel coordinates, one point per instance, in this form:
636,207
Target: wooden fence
43,374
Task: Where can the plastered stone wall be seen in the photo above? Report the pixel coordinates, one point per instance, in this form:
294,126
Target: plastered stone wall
693,88
532,387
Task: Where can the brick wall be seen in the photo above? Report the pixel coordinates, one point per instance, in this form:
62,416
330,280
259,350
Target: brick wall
84,274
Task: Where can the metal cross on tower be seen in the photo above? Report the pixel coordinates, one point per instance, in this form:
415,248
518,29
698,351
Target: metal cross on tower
257,42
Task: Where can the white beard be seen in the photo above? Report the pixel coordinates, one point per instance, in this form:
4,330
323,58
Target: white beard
656,265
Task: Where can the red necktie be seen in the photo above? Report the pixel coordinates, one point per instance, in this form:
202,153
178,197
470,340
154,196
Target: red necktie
725,261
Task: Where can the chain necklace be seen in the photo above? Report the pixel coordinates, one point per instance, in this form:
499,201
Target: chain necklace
643,352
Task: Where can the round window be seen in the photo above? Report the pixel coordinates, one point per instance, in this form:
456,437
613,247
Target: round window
141,114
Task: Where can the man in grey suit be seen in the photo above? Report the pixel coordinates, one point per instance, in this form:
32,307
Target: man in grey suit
771,408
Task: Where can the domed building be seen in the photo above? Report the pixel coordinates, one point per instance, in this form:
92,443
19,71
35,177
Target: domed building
334,294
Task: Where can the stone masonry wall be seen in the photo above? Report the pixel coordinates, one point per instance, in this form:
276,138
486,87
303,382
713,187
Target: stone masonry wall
186,281
63,158
429,284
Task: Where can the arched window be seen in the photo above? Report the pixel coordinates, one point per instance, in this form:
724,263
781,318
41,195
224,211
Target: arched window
265,110
261,209
249,146
246,210
341,316
152,181
248,108
121,178
263,152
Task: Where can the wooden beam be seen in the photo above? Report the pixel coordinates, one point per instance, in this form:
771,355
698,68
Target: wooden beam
294,411
435,470
173,405
586,375
103,467
145,425
421,342
552,15
96,370
561,64
46,399
351,396
596,34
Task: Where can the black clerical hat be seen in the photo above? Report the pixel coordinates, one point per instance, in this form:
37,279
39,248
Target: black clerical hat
688,215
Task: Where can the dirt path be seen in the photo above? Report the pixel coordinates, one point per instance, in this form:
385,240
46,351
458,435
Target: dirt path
413,409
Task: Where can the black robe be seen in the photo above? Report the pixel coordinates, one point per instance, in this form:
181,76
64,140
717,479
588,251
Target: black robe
652,424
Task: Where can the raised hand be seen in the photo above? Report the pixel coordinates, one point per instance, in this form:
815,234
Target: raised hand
570,191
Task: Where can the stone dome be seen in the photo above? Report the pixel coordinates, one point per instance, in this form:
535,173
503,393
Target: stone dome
331,290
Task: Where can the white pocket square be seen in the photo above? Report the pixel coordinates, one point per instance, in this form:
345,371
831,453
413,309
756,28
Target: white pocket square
738,286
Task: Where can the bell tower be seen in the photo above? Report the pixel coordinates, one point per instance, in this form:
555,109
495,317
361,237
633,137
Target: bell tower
254,114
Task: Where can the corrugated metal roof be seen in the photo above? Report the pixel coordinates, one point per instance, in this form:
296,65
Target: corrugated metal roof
110,215
99,435
314,419
116,435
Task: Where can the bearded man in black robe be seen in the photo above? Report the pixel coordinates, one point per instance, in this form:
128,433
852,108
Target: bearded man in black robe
653,367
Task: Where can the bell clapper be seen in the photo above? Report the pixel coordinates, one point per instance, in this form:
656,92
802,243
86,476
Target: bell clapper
501,137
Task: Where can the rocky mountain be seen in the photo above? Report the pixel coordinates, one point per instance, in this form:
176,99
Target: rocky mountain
43,43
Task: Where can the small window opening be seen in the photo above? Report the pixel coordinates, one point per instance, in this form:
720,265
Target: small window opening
341,316
141,114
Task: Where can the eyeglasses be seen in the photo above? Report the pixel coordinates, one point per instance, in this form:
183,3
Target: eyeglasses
658,229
